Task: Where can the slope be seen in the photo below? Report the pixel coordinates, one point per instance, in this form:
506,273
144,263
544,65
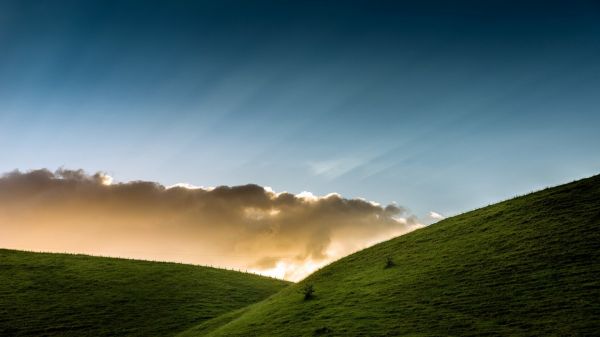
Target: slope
528,266
77,295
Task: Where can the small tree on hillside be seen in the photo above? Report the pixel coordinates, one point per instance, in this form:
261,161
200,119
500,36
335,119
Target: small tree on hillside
308,291
389,263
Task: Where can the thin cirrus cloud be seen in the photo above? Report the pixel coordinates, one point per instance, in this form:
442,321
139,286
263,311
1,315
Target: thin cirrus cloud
245,227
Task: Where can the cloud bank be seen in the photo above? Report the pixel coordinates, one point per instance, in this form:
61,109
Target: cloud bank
245,227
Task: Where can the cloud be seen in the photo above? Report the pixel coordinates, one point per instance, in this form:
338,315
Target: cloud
245,227
436,216
189,186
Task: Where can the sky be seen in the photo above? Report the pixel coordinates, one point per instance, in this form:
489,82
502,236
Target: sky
435,106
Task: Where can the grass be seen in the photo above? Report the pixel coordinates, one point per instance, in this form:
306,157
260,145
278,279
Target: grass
528,266
77,295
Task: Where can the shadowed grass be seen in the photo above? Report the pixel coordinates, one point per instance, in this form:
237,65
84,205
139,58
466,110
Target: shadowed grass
524,267
77,295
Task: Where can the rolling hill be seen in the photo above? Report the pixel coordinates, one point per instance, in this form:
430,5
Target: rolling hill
529,266
77,295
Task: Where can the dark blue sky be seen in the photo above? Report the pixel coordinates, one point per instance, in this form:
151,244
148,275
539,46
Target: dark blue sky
440,106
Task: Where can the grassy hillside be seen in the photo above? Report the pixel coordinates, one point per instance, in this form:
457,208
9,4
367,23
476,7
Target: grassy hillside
527,266
76,295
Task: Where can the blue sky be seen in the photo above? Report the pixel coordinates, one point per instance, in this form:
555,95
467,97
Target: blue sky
437,106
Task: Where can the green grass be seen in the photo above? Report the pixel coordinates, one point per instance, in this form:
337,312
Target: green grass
528,266
78,295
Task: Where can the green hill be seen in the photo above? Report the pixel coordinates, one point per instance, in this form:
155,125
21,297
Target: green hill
529,266
77,295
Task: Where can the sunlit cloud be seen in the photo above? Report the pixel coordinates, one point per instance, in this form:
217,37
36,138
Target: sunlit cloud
189,186
105,179
436,216
245,227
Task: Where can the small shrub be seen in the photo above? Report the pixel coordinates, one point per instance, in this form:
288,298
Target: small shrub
308,291
389,263
322,331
